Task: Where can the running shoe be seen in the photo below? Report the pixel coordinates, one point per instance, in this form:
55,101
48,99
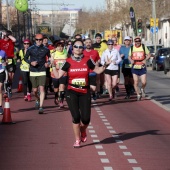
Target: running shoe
1,110
5,95
29,97
9,92
25,98
83,136
41,110
98,95
139,97
111,98
77,144
37,104
56,101
143,92
127,97
94,96
61,105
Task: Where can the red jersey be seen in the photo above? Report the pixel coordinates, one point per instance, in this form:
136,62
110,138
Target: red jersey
8,47
78,74
93,54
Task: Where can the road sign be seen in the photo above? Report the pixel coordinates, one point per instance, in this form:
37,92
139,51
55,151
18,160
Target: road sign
153,29
152,22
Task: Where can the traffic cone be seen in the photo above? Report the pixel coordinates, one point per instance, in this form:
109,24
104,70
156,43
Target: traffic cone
20,87
7,113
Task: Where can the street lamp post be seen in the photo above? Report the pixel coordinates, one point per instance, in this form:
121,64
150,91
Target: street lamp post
154,17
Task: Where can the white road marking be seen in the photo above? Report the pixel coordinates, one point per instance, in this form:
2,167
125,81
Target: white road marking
92,131
90,127
96,140
132,161
112,131
104,160
106,123
94,136
101,153
118,141
104,120
115,136
127,153
99,146
109,127
137,168
108,168
122,147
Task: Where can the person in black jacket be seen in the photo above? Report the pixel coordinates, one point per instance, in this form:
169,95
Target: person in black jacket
37,56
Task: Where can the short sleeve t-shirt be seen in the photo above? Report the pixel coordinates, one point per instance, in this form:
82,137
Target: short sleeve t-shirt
125,50
8,47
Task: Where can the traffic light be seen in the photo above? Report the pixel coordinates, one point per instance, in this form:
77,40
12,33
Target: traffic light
139,26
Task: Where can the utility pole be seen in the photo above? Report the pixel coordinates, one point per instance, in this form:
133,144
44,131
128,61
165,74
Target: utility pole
154,17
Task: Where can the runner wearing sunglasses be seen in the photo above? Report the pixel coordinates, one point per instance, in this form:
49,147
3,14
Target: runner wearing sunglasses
111,73
36,57
138,54
78,90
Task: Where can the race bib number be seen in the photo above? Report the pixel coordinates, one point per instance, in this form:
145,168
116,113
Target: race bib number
9,61
137,66
128,65
25,67
60,63
79,82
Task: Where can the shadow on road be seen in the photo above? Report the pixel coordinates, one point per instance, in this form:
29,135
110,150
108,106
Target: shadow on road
125,136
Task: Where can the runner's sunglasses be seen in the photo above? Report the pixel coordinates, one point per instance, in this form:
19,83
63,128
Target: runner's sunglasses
78,46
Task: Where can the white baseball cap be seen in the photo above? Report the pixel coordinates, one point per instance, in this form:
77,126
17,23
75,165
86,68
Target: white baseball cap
127,38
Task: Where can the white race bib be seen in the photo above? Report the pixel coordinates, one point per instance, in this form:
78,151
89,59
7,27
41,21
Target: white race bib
79,82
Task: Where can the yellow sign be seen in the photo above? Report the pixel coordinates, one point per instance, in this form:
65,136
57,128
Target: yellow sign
152,22
157,22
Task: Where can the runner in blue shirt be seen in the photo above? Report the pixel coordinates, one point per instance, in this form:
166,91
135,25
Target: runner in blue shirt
126,66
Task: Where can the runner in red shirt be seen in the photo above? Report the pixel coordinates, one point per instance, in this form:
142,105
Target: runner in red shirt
7,44
78,90
93,54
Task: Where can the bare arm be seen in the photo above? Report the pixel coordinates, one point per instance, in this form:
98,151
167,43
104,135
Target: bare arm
58,73
12,38
130,59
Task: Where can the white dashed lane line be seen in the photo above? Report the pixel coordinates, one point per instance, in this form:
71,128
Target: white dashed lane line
104,160
121,145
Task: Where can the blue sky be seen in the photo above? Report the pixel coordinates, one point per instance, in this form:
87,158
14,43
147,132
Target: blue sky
77,4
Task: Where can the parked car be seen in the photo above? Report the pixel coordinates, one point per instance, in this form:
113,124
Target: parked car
167,64
158,60
151,49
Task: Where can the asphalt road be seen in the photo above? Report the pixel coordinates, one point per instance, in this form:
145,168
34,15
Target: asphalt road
158,87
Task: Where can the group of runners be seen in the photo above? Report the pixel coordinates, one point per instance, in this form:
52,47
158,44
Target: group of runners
78,71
